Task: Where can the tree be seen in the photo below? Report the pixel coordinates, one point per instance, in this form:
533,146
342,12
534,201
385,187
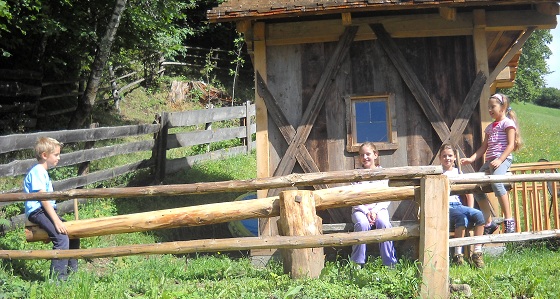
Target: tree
532,68
86,101
550,97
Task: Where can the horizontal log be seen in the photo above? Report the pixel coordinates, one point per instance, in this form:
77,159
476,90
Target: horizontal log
515,178
16,142
504,238
292,180
230,244
224,212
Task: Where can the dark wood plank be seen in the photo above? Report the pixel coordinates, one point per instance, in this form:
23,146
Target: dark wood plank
286,129
414,84
101,175
202,137
21,166
288,160
196,117
16,142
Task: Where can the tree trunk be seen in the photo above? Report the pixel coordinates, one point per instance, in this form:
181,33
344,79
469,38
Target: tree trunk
86,101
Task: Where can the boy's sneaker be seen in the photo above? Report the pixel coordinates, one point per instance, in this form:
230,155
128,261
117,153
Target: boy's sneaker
458,259
477,260
510,226
491,228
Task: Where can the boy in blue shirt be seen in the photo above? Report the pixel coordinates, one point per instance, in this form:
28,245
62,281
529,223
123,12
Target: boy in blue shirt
43,213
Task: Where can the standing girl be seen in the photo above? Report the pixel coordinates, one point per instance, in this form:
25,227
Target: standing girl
375,215
501,138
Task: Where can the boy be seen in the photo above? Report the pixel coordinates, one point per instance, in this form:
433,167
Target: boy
43,213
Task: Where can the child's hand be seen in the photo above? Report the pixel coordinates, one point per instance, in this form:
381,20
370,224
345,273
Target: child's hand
371,217
496,163
60,227
466,161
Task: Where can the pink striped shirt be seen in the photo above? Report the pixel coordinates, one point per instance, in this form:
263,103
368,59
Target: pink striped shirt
497,138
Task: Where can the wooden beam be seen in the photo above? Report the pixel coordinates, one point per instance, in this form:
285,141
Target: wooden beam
548,8
404,26
286,129
346,19
316,102
414,84
505,74
264,207
292,180
402,232
298,218
512,51
481,58
448,13
434,237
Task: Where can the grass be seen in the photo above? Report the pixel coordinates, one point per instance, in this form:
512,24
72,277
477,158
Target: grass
540,132
518,273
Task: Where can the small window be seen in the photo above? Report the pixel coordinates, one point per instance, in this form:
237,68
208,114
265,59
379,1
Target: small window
371,118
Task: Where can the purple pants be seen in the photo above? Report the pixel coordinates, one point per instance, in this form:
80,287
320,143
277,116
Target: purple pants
386,249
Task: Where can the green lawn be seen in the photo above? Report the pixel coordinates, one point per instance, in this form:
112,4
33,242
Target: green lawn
540,132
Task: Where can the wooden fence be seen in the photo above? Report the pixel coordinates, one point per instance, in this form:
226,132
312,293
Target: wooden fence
151,140
432,194
535,204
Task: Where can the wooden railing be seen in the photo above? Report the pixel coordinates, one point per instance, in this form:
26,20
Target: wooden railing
535,204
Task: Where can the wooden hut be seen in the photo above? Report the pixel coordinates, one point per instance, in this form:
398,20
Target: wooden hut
406,74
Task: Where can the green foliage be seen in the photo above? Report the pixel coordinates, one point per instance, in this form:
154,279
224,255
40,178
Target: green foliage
550,97
532,68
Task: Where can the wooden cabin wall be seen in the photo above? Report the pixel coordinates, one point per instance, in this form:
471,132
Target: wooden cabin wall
444,65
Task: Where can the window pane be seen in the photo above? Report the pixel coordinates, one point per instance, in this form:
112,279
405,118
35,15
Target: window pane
371,121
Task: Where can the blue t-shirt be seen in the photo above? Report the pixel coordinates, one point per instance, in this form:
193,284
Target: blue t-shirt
36,179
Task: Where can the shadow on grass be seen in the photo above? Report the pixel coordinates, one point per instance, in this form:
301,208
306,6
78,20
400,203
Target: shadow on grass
193,175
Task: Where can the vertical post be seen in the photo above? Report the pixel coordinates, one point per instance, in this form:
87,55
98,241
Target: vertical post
298,218
248,132
434,236
159,154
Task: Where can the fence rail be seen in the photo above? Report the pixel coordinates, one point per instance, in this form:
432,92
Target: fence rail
146,138
432,194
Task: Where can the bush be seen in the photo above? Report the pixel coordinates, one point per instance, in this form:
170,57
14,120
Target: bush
550,97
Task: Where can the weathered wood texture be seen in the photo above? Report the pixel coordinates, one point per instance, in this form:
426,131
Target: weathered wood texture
229,244
293,180
230,211
298,217
10,143
434,237
442,66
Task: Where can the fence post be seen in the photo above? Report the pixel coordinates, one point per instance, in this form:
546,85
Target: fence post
248,132
298,218
434,236
159,154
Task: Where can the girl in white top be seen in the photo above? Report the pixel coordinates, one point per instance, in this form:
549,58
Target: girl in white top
375,215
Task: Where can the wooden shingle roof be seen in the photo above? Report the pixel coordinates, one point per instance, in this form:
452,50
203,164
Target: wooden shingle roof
235,10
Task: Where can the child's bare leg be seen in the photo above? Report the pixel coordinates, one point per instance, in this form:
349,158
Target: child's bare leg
479,230
504,203
460,232
484,205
